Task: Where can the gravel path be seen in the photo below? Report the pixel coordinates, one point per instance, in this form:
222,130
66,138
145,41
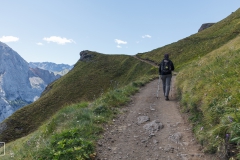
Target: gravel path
150,129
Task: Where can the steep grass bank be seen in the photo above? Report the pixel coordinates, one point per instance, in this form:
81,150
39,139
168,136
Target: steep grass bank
72,132
210,92
208,81
85,82
188,49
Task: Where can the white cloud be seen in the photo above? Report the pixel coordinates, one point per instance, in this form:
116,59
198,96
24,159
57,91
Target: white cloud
40,44
146,36
58,40
118,41
8,39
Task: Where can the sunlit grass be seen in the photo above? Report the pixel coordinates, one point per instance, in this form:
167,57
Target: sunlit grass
197,45
72,132
208,78
209,89
85,82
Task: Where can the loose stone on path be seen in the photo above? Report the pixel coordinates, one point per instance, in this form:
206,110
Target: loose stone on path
153,126
142,119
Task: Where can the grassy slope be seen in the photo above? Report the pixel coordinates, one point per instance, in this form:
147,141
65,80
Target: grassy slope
208,80
72,132
86,81
197,45
210,92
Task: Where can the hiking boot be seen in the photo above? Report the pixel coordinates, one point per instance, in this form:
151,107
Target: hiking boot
166,98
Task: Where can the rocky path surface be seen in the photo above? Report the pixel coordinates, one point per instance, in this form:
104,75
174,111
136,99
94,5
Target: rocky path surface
150,129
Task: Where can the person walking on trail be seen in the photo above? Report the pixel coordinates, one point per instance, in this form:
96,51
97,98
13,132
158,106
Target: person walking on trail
165,71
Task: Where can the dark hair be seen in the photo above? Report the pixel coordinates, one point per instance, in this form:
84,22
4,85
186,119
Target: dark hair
166,56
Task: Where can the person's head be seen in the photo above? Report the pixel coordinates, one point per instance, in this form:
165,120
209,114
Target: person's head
166,56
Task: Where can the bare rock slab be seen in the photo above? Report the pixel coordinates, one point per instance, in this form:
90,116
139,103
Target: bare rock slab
142,119
176,137
153,126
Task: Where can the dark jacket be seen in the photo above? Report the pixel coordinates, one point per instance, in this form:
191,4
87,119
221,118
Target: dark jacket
166,73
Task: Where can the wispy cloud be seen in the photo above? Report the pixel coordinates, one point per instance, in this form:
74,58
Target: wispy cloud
118,46
146,36
118,41
6,39
39,43
58,40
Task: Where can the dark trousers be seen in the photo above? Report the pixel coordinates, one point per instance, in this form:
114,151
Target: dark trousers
166,81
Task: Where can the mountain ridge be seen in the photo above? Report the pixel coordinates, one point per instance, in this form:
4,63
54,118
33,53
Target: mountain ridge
197,45
19,85
104,72
208,82
207,85
60,69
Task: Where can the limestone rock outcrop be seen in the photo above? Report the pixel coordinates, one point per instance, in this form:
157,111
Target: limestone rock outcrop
205,26
85,56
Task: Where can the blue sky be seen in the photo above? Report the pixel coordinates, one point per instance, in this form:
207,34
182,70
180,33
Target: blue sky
57,30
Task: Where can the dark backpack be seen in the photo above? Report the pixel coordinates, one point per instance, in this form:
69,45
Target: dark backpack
166,66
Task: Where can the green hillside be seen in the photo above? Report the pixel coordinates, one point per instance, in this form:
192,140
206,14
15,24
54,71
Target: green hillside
72,132
68,118
208,83
199,44
209,89
85,82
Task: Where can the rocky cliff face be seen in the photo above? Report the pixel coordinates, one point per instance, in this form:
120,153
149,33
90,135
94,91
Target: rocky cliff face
85,56
60,69
45,75
19,84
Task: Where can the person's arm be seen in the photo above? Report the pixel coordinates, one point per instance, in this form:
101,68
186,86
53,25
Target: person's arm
172,66
159,70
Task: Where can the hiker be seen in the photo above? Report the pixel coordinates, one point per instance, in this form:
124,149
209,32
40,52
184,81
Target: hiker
165,71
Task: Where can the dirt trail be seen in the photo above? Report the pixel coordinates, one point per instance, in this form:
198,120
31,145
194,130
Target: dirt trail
146,61
150,129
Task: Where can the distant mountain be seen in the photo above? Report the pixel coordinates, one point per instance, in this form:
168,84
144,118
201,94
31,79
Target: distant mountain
19,84
61,69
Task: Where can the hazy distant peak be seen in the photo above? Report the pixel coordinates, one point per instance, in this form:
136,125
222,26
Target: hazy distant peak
50,66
